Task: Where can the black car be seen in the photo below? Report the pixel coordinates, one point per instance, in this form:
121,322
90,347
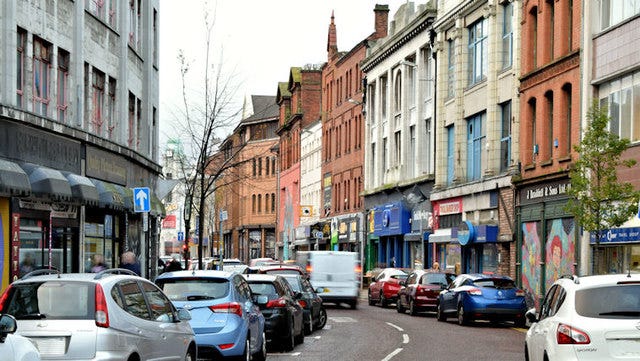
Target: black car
283,315
315,316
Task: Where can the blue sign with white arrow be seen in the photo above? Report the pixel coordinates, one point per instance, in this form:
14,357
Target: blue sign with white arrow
141,199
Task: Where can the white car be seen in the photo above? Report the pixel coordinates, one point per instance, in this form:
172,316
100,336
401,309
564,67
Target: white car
15,347
587,318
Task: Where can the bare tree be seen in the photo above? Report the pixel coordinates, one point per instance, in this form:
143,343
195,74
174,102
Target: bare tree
203,122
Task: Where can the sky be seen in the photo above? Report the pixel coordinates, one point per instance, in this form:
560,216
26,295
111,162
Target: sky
258,41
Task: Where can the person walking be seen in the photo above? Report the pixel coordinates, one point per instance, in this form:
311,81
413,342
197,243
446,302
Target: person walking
129,261
98,263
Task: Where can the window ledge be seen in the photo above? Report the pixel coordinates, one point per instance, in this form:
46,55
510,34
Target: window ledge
566,158
530,166
546,163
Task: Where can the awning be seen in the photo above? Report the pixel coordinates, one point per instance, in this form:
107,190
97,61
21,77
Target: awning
109,195
47,182
13,179
157,208
415,237
127,194
82,189
440,236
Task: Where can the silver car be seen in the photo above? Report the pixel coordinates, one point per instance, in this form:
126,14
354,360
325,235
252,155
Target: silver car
110,315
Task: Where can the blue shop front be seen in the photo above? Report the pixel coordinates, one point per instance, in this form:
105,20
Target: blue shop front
479,252
390,223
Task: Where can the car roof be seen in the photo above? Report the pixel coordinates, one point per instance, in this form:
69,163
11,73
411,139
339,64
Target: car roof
261,277
197,273
598,280
54,275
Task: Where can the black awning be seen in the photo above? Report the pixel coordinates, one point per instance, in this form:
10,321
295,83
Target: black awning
157,208
47,182
127,196
13,179
82,189
109,194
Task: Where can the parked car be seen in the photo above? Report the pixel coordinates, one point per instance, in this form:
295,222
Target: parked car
233,265
384,287
282,269
15,347
335,275
479,296
315,315
110,315
226,321
283,315
257,262
419,292
587,318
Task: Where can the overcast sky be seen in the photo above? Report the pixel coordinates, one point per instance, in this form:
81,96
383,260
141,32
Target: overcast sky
260,40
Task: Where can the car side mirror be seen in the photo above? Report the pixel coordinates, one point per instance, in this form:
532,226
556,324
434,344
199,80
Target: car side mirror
531,315
8,325
320,290
184,314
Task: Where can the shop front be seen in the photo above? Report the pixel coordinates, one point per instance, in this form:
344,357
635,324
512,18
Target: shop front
618,249
479,250
391,223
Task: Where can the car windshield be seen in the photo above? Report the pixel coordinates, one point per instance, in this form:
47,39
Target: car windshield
51,300
437,279
499,283
617,301
193,288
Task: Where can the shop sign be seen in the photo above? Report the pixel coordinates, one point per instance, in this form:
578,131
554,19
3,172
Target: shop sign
617,235
545,192
465,233
169,221
302,232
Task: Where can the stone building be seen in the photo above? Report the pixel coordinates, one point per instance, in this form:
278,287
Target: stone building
78,130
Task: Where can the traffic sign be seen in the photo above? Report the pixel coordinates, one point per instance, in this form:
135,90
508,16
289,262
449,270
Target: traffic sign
180,236
141,199
317,234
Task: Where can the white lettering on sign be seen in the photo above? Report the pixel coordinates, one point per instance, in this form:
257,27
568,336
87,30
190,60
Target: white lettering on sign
548,191
450,208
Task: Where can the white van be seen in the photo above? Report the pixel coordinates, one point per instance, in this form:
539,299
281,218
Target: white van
334,274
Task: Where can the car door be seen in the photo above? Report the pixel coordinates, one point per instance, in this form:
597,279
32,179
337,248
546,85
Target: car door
449,297
251,314
292,304
142,335
540,330
316,301
377,284
172,335
407,289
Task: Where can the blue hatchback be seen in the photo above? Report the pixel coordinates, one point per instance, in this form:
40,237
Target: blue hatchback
226,321
482,297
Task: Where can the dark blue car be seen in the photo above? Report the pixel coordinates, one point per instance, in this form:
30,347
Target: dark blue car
226,321
478,296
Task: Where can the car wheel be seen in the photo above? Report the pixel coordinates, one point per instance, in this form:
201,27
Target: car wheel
412,308
261,355
399,307
463,319
308,327
383,301
440,316
322,319
300,337
290,342
189,356
246,355
371,300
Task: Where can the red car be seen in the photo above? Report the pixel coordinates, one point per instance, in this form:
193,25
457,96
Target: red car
421,289
385,286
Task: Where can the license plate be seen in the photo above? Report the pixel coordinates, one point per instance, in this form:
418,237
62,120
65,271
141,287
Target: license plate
50,346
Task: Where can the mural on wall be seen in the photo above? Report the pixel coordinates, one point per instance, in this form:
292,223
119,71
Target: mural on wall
531,255
559,249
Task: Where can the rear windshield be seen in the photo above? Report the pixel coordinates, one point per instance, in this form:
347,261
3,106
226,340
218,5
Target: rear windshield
282,272
193,289
51,300
619,301
295,283
498,283
437,279
264,288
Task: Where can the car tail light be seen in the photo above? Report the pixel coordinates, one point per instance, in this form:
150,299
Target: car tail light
475,291
358,269
520,293
568,335
225,346
229,307
102,314
420,290
309,268
4,298
302,303
277,303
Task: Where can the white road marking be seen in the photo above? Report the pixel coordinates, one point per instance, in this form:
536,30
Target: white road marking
390,356
342,319
405,338
396,327
317,337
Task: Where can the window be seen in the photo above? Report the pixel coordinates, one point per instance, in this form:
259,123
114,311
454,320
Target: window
450,154
397,140
548,142
372,104
412,151
273,165
139,124
475,145
133,299
622,97
549,7
451,68
62,80
427,75
385,154
427,145
260,167
383,97
411,86
132,120
160,305
273,202
20,52
255,167
253,204
478,59
507,35
41,75
533,127
533,18
613,12
259,206
505,137
111,108
566,139
97,101
155,37
373,160
104,10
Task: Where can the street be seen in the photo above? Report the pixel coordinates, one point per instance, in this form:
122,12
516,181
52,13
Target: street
373,333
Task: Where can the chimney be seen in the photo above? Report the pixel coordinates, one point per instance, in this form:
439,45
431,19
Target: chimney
381,21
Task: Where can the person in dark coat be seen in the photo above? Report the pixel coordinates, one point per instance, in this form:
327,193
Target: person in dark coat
173,265
130,262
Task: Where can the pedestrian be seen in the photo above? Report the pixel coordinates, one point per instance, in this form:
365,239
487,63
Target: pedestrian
130,262
435,267
173,265
97,263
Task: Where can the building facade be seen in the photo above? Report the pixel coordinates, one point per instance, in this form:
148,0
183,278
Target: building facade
611,76
550,123
78,130
400,140
309,235
477,109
